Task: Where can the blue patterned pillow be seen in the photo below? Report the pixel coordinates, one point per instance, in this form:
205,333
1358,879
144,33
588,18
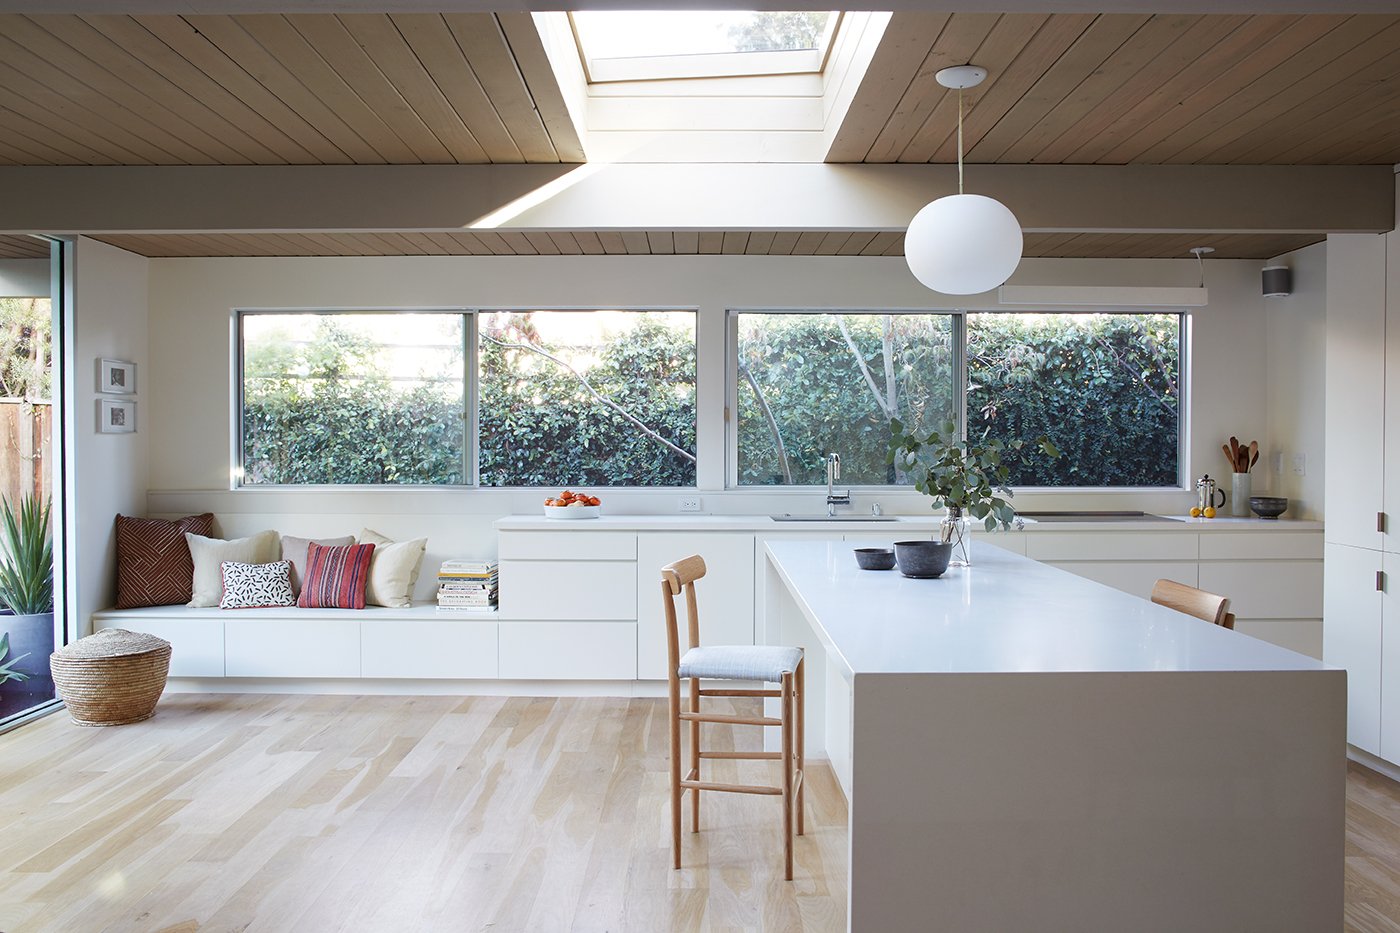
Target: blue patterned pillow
257,586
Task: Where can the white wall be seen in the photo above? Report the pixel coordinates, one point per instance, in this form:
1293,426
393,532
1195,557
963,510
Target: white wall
108,475
188,388
1296,329
24,278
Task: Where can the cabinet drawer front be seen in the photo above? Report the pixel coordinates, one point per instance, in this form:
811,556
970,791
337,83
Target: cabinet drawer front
567,544
725,594
568,650
448,649
567,590
1301,635
196,645
281,648
1130,577
1094,545
1282,589
1298,545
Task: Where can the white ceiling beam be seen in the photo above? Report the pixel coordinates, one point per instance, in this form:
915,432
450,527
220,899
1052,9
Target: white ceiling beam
646,196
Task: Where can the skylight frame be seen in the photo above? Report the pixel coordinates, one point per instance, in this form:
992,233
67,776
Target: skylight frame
709,64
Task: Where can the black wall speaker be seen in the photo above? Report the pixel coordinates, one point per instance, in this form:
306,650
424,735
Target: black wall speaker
1278,281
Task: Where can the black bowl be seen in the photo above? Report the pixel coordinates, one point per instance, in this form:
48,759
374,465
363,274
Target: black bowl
875,558
1268,506
922,559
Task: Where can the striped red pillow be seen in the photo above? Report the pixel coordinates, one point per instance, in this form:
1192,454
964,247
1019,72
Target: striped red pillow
335,577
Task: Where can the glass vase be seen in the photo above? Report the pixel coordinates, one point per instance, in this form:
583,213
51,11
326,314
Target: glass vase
955,529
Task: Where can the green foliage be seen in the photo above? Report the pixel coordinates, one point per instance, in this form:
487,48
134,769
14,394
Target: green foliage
26,348
326,411
7,671
820,399
26,565
963,477
540,426
779,30
1104,386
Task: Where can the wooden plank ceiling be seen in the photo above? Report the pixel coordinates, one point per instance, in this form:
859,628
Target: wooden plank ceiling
23,247
272,90
1131,88
681,242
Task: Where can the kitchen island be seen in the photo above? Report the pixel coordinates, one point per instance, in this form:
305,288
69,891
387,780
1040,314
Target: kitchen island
1024,749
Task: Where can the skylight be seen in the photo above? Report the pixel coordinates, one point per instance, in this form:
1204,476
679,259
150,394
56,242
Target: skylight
636,45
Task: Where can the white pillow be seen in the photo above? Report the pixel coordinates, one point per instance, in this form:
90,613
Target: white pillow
209,555
393,570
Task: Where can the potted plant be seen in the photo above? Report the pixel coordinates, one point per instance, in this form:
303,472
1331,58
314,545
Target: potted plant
967,479
26,587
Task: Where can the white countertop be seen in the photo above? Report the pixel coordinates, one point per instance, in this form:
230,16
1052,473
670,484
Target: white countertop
1005,614
765,523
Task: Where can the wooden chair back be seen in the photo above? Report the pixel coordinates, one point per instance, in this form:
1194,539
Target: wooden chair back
1213,609
677,578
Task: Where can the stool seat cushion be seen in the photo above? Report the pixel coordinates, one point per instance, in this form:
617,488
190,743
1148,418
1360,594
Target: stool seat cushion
740,662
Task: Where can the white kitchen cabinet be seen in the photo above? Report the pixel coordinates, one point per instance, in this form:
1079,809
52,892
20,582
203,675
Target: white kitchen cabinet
1281,589
1389,660
568,589
1390,540
1356,387
1134,577
568,650
1352,607
725,595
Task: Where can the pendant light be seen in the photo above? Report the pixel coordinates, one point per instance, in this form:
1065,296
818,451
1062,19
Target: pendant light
963,244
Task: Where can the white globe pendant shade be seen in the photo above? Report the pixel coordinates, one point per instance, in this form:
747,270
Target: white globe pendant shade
963,244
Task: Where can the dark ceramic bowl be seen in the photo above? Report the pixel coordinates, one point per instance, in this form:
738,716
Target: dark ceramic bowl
1268,506
875,558
922,559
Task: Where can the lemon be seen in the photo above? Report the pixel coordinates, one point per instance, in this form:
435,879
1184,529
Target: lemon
1195,511
1210,512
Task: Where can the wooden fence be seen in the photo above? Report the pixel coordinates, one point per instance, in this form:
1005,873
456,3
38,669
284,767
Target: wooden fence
26,448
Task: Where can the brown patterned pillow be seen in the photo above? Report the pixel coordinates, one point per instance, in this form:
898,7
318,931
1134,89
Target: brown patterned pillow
154,567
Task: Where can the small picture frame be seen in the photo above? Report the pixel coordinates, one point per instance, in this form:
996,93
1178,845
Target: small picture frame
116,377
116,416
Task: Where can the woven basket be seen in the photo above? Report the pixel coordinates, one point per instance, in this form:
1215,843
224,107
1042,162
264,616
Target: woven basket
111,677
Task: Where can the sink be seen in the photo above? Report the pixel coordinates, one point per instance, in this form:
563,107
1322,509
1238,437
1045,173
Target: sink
1095,517
834,518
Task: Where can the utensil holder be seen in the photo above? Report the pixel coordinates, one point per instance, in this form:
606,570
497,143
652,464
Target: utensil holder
1239,495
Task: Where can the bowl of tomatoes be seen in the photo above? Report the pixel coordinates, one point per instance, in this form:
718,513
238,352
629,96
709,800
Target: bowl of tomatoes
573,505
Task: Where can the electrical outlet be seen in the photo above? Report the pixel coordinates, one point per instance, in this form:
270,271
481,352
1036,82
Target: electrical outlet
688,504
1300,464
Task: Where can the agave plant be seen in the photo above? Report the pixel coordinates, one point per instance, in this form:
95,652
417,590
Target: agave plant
26,561
7,673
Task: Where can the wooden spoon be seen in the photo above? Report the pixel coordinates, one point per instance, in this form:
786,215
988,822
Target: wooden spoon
1253,454
1229,458
1234,454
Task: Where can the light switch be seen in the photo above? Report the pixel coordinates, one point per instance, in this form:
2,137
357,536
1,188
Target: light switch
1300,464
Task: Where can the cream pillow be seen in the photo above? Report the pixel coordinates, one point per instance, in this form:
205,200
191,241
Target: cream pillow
393,570
209,555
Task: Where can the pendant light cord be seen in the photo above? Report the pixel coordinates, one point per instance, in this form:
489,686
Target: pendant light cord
960,141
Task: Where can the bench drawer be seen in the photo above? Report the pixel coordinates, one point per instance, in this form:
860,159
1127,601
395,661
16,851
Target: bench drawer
568,650
196,645
567,590
304,648
450,649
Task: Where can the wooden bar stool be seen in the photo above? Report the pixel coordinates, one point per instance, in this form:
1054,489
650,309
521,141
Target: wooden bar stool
764,663
1194,602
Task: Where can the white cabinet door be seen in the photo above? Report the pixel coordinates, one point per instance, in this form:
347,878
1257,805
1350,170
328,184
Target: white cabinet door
1390,661
725,595
564,590
1351,637
1391,537
1356,386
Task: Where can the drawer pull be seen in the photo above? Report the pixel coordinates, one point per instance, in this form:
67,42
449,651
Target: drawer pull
1380,522
1380,581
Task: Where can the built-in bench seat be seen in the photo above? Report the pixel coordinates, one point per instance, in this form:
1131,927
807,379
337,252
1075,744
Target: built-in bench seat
375,642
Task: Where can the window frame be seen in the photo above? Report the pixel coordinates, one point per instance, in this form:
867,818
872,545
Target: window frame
960,373
236,471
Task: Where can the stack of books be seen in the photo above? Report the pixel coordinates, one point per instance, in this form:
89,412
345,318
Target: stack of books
467,586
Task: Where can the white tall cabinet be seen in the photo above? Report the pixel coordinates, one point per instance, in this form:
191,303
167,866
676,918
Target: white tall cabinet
1361,629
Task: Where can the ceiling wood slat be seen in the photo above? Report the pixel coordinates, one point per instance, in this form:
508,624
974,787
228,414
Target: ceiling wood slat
484,46
23,247
612,242
636,242
588,243
686,241
533,63
20,92
760,241
735,242
660,242
783,243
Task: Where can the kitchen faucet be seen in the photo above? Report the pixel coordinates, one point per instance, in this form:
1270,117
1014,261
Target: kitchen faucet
833,473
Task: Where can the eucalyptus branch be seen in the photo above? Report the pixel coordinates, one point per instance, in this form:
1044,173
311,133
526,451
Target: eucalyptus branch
772,422
583,381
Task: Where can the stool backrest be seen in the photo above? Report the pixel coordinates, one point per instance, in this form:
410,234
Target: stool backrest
1193,602
677,578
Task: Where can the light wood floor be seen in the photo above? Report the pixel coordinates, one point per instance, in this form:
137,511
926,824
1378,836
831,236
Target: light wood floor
395,814
434,813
